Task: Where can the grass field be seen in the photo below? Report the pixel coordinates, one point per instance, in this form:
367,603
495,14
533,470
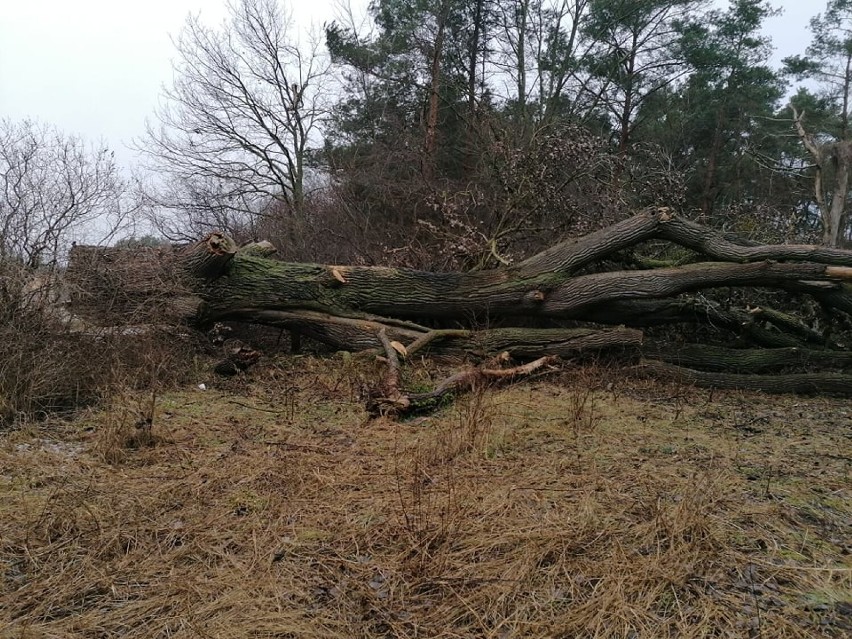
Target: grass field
582,504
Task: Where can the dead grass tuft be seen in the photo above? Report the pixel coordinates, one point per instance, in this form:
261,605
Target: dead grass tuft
587,506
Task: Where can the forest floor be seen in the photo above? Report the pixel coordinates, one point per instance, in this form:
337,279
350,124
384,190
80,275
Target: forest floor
580,504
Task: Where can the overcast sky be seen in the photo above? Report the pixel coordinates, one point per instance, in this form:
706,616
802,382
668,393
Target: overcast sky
95,67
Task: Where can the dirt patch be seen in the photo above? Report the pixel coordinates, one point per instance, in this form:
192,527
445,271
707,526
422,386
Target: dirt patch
580,506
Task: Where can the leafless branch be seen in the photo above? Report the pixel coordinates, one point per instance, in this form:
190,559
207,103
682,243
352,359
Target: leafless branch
53,190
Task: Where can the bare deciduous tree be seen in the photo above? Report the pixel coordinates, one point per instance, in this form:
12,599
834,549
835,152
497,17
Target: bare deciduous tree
235,131
53,186
828,61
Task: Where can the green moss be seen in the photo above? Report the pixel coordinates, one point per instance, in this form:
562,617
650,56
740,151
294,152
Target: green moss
244,501
313,534
826,597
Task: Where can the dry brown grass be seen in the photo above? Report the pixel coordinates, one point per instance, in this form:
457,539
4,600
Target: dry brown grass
585,506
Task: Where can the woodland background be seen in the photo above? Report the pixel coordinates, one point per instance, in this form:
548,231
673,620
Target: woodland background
449,136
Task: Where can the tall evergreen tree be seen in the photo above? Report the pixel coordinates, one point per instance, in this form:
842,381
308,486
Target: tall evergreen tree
634,55
728,101
415,75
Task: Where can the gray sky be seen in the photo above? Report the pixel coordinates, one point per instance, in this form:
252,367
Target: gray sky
95,67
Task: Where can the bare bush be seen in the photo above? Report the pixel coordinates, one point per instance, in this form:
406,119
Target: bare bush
524,191
52,186
55,189
42,369
53,362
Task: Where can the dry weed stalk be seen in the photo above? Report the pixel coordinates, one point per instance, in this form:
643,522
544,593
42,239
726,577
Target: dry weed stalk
432,509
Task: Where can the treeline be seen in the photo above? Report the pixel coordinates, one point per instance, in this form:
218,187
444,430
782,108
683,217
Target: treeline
466,133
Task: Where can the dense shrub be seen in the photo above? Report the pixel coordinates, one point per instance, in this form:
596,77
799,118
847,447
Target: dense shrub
53,362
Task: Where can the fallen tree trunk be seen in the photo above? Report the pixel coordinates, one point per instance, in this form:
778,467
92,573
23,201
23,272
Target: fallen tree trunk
800,383
256,285
351,307
749,360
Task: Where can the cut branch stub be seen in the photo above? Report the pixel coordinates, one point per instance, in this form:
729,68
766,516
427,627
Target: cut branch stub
208,258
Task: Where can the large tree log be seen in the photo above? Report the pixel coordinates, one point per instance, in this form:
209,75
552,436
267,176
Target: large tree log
352,307
541,287
346,333
258,285
254,287
748,360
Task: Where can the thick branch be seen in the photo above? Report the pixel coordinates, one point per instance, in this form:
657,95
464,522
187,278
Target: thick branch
460,382
713,244
573,254
800,383
750,360
693,310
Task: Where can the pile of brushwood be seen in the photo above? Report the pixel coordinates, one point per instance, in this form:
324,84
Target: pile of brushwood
767,317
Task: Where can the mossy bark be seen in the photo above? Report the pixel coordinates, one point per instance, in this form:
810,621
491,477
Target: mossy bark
252,284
